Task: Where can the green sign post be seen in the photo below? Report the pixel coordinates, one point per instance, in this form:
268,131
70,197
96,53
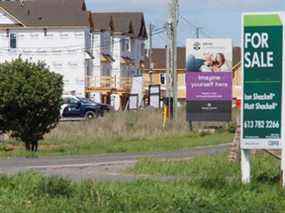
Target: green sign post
263,84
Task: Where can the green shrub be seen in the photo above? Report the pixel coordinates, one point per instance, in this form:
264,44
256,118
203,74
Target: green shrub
30,100
55,187
231,128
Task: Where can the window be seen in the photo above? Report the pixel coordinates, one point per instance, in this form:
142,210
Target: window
66,100
88,66
162,78
125,44
70,101
142,50
131,43
73,101
13,41
112,44
128,46
45,31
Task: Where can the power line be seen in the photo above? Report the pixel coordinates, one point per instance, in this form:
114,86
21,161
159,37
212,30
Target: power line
198,29
159,29
158,33
162,38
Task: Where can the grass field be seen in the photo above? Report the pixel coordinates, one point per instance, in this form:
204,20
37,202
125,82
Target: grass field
89,146
120,132
207,184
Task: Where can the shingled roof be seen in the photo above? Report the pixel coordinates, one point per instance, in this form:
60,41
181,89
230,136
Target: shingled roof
159,58
126,23
36,13
236,55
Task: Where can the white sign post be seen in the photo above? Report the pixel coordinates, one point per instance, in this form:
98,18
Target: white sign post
283,105
245,165
263,107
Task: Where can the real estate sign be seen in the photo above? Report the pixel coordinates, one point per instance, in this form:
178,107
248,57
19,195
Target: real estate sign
209,79
263,85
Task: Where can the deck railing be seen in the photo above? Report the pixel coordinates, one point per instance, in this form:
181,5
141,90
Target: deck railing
109,82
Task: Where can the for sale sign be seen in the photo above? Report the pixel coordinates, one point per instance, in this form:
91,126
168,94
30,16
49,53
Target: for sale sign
263,85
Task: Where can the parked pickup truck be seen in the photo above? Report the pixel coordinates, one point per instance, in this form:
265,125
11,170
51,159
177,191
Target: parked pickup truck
79,108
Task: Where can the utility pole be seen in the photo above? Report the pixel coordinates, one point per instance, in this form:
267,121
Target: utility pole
150,54
172,56
198,31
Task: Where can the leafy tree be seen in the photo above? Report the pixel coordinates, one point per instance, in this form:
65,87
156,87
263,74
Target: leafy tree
30,100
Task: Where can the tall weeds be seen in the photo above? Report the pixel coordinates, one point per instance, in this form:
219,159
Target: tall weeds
123,125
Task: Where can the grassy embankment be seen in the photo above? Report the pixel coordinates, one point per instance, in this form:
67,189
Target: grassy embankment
207,184
120,132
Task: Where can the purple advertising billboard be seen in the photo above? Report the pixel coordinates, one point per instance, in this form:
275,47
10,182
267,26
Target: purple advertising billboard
209,79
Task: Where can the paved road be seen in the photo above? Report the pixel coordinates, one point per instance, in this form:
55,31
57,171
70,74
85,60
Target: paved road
99,167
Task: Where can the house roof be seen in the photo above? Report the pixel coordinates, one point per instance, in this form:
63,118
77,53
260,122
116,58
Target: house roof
159,58
102,21
128,23
38,13
236,55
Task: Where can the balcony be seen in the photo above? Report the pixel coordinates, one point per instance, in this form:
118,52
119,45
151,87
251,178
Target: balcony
108,84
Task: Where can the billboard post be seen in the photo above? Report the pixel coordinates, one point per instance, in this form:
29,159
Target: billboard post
262,112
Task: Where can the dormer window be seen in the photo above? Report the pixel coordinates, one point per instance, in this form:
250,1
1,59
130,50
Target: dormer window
13,40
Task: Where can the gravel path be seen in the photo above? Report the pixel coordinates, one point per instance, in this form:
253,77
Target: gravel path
98,167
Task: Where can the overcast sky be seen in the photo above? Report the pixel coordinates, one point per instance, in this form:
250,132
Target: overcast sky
218,18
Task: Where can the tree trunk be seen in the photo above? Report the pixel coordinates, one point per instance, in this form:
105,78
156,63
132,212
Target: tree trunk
35,146
28,146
